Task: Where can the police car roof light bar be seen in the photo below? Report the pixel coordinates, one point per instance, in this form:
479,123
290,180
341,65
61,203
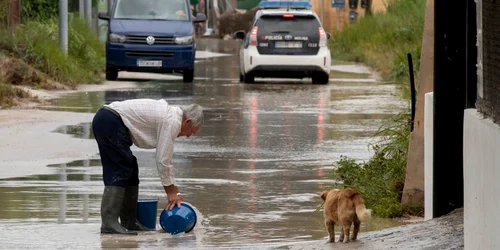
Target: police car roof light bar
290,4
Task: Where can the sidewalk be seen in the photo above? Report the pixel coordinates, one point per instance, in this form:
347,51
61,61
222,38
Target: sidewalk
442,233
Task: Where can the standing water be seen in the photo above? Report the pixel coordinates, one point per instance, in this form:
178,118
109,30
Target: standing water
254,172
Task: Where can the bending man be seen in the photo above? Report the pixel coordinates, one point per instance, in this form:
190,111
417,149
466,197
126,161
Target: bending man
148,124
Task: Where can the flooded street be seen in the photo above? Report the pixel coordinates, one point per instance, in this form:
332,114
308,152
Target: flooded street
254,171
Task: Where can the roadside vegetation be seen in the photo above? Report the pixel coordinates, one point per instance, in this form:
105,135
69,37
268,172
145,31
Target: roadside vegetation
382,41
381,178
31,56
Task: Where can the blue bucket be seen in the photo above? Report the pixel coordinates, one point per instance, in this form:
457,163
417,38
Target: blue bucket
178,220
146,213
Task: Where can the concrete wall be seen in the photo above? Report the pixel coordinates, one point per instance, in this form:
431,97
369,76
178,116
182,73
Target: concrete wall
413,193
481,182
428,154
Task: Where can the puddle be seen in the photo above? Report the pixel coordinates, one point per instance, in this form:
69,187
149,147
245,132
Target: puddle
254,171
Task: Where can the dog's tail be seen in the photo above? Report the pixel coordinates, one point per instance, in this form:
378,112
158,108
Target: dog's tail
364,215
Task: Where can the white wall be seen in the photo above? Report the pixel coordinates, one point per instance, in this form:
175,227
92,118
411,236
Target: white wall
481,182
428,153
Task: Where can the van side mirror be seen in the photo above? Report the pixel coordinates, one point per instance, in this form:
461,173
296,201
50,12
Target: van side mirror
240,34
103,16
328,35
200,17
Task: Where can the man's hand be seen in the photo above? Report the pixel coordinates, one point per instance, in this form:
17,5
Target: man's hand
173,197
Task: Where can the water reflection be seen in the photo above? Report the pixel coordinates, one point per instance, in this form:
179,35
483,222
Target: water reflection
174,92
255,170
64,186
62,194
82,130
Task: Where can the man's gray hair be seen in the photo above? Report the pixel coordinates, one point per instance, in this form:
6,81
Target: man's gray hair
193,112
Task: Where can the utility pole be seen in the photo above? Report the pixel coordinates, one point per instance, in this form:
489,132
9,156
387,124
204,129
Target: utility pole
88,11
14,13
63,25
110,6
81,8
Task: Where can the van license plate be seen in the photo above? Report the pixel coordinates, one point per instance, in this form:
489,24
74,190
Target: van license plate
149,63
288,45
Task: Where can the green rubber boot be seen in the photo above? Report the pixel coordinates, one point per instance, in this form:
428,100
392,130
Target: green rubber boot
111,205
128,215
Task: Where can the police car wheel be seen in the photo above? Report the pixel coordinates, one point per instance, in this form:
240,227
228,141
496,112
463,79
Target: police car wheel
320,79
248,78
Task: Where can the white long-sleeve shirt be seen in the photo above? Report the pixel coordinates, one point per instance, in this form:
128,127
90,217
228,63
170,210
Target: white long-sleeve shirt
153,124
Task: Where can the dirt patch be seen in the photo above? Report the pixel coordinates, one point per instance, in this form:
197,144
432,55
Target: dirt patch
20,83
17,72
235,21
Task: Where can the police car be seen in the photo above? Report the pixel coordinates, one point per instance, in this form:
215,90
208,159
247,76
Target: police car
286,40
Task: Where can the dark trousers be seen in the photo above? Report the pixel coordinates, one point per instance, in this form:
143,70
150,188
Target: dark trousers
119,165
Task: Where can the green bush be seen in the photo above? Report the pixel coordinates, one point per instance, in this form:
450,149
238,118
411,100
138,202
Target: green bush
42,10
38,44
383,40
381,179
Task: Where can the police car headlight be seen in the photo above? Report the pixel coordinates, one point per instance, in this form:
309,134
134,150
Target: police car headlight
184,40
115,38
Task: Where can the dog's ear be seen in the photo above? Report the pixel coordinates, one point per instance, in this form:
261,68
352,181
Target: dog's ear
323,195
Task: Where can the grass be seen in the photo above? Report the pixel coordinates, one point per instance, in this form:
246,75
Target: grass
380,179
383,40
38,45
32,57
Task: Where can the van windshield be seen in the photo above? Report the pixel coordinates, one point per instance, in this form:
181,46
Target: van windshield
152,10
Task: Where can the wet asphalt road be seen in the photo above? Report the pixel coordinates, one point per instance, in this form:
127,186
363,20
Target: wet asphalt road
254,171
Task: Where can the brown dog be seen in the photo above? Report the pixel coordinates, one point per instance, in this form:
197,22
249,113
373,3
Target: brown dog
344,207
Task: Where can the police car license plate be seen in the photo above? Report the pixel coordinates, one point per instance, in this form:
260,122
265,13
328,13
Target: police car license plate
288,45
149,63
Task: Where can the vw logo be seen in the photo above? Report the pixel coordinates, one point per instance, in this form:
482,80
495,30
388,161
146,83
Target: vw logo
150,40
288,37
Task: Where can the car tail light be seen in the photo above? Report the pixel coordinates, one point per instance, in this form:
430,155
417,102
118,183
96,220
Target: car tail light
322,37
253,36
288,15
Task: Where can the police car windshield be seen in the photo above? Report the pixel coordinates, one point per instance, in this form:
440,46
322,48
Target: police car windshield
152,10
280,24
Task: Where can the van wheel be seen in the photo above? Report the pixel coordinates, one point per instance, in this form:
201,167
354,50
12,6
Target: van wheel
111,73
321,79
242,78
188,76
